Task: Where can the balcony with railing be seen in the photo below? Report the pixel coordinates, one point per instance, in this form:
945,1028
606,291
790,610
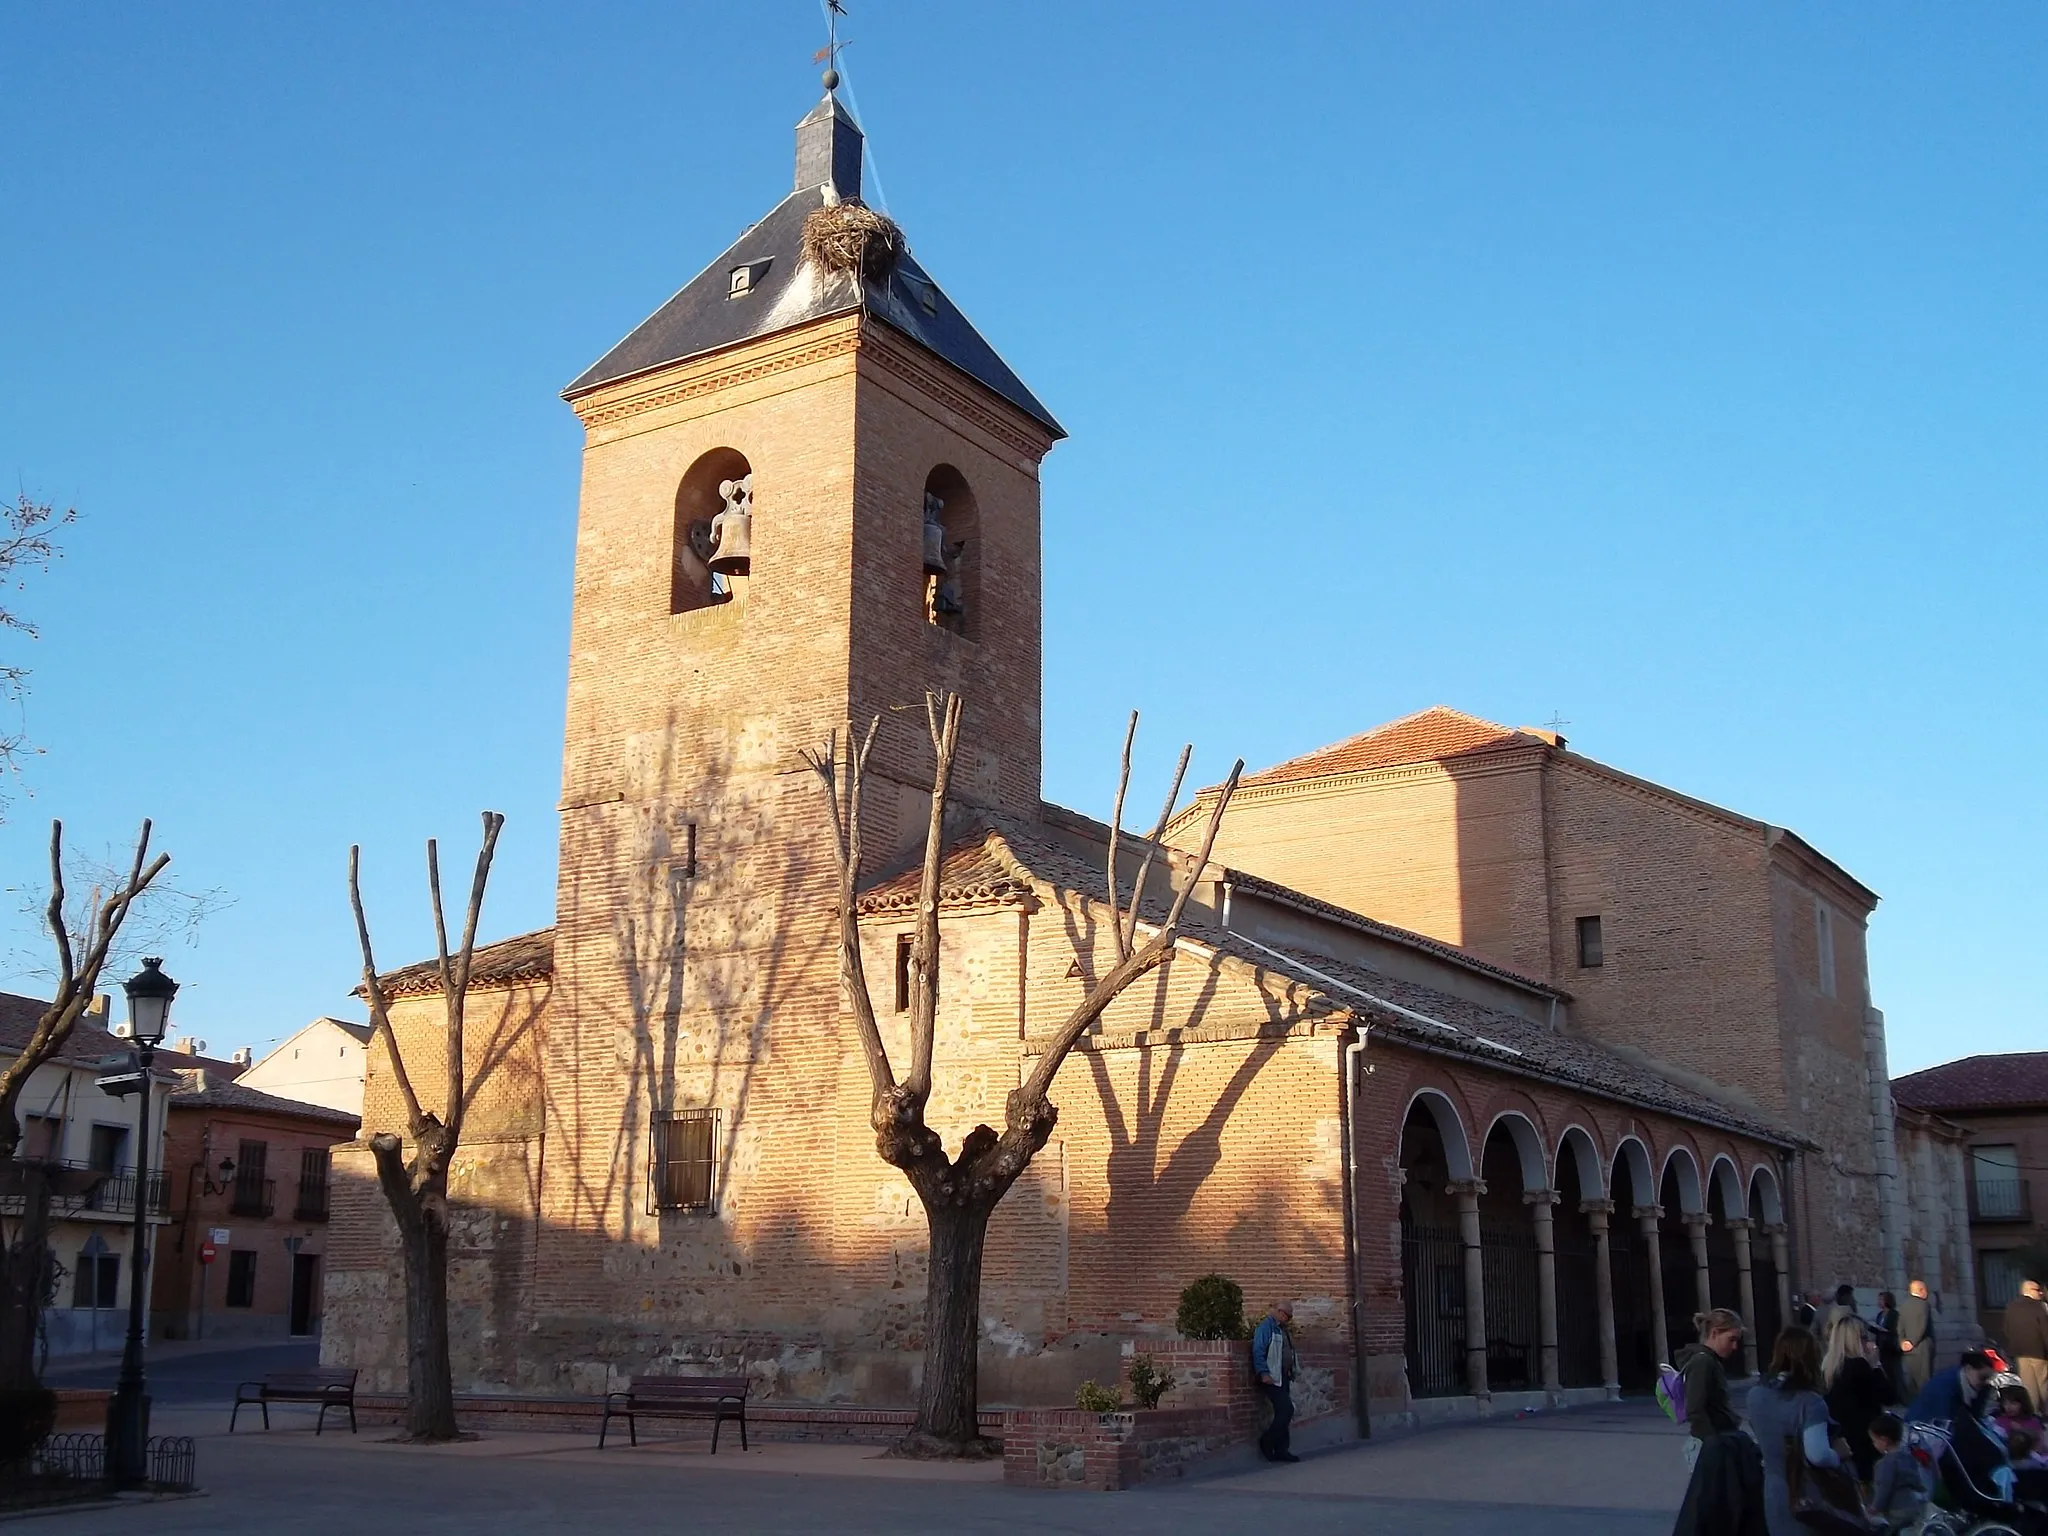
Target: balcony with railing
312,1202
2001,1197
115,1193
252,1197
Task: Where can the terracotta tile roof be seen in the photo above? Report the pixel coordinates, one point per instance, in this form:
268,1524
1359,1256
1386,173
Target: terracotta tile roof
1431,735
1004,855
201,1089
524,957
88,1044
2018,1079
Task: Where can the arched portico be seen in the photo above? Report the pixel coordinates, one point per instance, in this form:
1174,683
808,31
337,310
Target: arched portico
1442,1291
1771,1276
1515,1237
1682,1246
1635,1266
1585,1335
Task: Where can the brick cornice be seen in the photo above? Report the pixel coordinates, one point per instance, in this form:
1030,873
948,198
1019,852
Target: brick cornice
1475,765
758,359
952,389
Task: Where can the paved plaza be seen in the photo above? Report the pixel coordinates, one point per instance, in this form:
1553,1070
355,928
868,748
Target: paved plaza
1597,1472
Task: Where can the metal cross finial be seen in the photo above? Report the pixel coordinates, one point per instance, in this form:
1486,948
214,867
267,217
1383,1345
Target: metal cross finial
829,54
1556,722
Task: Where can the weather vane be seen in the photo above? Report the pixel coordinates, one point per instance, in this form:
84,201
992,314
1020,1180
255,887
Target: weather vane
829,54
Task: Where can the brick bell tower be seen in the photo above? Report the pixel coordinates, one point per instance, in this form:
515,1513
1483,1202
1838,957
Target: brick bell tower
810,493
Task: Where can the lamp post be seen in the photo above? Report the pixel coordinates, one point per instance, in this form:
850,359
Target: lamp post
149,1010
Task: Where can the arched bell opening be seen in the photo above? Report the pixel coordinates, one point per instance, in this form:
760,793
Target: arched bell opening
1434,1154
712,552
951,553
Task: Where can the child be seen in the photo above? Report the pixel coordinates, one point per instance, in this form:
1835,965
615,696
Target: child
2016,1411
1901,1486
2024,1450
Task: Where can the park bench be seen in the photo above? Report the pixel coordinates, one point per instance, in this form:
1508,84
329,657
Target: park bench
717,1398
330,1387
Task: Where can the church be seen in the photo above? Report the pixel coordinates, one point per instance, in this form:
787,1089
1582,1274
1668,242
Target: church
1496,1061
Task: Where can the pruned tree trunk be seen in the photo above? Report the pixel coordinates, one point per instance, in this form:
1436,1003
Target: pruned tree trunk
24,1281
949,1398
961,1193
423,1249
417,1190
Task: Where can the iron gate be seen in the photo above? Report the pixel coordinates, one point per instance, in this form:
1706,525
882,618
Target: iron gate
1763,1280
1635,1350
1433,1281
1507,1258
1578,1311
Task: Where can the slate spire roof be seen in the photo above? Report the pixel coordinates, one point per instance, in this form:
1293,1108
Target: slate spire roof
781,292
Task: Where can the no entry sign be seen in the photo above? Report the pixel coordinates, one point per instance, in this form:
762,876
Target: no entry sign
207,1252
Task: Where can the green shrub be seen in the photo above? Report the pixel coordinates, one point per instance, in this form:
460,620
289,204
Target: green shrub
1212,1308
1148,1382
1094,1399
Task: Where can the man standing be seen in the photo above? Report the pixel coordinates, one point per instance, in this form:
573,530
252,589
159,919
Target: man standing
1273,1359
2026,1335
1916,1337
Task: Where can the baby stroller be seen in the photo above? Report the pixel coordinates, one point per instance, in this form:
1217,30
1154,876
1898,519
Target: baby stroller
1963,1505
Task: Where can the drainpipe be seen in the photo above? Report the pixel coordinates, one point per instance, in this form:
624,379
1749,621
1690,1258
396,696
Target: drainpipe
1349,1060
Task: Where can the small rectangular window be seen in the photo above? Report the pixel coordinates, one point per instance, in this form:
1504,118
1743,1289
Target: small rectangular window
1824,945
42,1138
690,850
685,1172
241,1277
906,947
2002,1273
1591,952
108,1152
97,1282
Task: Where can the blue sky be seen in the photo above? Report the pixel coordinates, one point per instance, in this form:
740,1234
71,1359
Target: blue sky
1678,371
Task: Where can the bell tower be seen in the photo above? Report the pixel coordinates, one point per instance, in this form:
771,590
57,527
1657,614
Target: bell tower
810,493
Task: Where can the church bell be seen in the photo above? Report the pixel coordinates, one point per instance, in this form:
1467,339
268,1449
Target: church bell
732,531
934,536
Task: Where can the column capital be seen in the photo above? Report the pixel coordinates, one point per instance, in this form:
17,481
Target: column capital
1698,1219
1737,1224
1596,1207
1775,1228
1648,1215
1473,1187
1541,1197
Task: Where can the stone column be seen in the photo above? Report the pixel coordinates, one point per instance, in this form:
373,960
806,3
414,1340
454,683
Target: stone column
1467,1192
1746,1283
1660,1330
1781,1259
1597,1212
1696,1231
1542,1216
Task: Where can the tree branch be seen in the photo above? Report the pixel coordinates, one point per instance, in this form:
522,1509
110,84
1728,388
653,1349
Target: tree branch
1116,836
456,977
1151,850
924,954
1027,1103
79,975
380,1013
853,980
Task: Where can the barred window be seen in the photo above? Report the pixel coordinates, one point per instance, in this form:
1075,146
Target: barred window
2000,1272
685,1172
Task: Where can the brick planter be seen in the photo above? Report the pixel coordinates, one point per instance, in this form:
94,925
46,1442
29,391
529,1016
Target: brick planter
81,1408
1071,1448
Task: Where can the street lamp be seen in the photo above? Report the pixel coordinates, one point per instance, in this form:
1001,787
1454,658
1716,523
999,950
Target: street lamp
149,1011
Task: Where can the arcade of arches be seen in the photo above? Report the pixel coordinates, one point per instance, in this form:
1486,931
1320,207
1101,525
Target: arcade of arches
1546,1258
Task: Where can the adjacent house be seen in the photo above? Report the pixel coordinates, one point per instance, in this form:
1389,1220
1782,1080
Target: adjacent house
321,1064
248,1174
86,1139
2000,1104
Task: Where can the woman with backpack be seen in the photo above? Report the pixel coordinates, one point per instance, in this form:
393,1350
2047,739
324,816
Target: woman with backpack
1709,1409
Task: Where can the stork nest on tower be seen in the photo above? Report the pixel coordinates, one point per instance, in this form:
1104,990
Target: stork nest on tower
852,237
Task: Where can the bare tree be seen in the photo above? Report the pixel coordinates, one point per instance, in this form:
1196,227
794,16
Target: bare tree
26,526
81,957
417,1189
960,1193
